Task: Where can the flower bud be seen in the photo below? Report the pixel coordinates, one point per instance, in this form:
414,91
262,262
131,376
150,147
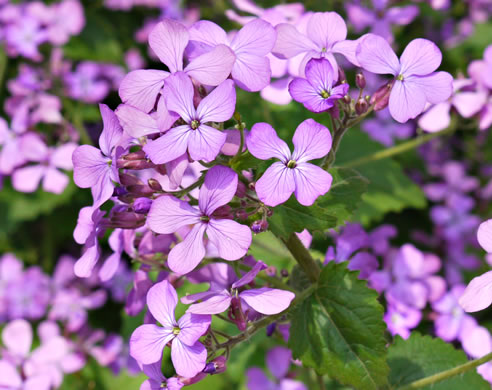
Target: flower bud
341,76
126,220
237,314
216,366
241,214
271,271
120,191
154,184
128,180
360,80
361,106
347,99
284,273
140,190
271,329
380,98
142,205
259,226
140,155
135,164
161,168
241,190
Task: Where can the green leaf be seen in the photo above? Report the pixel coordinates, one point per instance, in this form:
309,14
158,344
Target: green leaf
389,189
339,330
422,356
329,211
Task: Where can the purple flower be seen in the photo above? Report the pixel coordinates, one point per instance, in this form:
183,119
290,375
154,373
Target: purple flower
10,157
481,70
415,80
157,380
168,40
147,341
251,69
278,361
86,83
96,168
65,19
24,36
401,318
292,173
326,33
316,91
202,141
384,129
219,297
168,214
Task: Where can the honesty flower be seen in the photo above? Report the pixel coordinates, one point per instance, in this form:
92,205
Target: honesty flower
96,168
202,141
157,381
147,341
316,91
168,40
251,69
415,80
293,173
168,214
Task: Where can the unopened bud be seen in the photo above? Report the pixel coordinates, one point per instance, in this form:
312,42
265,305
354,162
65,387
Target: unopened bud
347,99
120,191
236,314
142,205
241,190
135,164
128,180
271,271
380,98
140,155
216,366
341,75
241,214
360,80
223,212
154,184
259,226
271,329
284,273
161,169
127,220
361,106
140,190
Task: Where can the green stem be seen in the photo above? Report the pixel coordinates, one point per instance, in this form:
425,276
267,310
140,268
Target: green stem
401,148
303,257
430,380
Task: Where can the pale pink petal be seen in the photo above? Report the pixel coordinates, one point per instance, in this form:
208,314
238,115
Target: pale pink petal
264,143
169,214
276,185
376,55
38,382
257,380
348,49
176,169
141,87
192,327
213,67
326,28
178,96
9,377
103,189
218,189
255,38
62,156
33,147
17,337
112,131
277,92
469,103
311,141
478,294
89,165
27,179
484,235
230,238
162,300
311,182
165,118
55,181
219,105
290,42
407,100
168,40
86,263
170,146
402,15
188,361
205,143
109,268
278,361
208,32
436,118
147,343
185,256
135,122
420,57
267,300
213,305
250,275
251,73
437,86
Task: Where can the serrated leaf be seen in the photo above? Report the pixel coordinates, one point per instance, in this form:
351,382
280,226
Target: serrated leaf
422,356
389,189
329,211
339,330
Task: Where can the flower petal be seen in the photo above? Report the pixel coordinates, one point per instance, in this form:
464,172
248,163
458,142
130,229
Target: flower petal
147,343
141,87
406,101
88,166
420,57
264,143
215,304
178,96
436,118
311,181
303,92
188,361
27,179
169,146
109,268
205,143
311,141
168,214
320,74
250,275
112,131
230,238
276,185
437,87
168,40
258,380
135,122
219,105
208,32
162,300
478,294
326,28
267,300
290,42
376,55
255,38
192,327
218,189
54,181
278,361
86,263
484,235
9,376
251,73
213,67
185,256
17,337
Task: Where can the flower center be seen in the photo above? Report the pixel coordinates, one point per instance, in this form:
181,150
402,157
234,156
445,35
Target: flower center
325,94
399,77
323,50
195,124
176,330
205,218
291,164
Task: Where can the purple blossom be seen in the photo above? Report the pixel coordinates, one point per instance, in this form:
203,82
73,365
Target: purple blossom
86,83
292,173
157,380
251,69
202,141
317,91
481,70
10,158
147,341
384,130
168,214
401,318
415,80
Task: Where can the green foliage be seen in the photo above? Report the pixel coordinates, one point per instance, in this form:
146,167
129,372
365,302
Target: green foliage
329,211
389,189
339,330
422,356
